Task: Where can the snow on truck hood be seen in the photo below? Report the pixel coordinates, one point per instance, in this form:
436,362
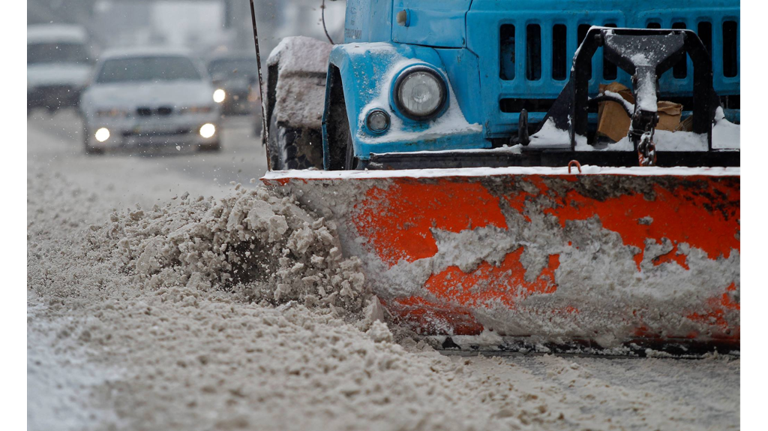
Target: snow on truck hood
58,74
179,93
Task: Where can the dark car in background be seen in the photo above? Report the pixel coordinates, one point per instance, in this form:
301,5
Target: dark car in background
59,63
234,77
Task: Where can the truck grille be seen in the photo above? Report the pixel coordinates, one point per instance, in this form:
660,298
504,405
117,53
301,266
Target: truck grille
557,53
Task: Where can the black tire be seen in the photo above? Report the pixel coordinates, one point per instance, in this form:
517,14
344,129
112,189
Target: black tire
350,161
290,148
341,154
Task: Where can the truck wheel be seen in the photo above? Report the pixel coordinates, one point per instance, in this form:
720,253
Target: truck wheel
291,148
342,151
350,161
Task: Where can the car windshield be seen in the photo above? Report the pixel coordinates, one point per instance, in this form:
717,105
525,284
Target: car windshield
154,69
232,68
54,52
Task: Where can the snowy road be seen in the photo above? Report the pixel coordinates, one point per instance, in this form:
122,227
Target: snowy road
242,157
110,350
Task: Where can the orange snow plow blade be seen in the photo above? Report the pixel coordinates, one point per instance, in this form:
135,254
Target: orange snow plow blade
611,255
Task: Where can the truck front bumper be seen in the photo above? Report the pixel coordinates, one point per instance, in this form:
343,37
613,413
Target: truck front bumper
503,157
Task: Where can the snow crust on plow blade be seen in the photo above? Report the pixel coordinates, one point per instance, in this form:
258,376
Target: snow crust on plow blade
612,255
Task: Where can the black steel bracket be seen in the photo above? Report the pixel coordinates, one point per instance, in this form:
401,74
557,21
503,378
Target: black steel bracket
645,54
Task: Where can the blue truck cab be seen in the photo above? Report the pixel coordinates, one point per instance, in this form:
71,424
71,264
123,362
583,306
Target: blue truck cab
474,72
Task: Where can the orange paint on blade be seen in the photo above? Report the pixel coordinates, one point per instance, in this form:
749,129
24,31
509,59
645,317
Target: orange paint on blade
428,317
398,220
683,215
518,199
672,256
718,307
489,283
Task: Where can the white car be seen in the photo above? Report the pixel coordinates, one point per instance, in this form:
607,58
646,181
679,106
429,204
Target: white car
59,64
149,97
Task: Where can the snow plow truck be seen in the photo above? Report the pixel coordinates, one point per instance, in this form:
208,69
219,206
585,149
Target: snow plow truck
549,175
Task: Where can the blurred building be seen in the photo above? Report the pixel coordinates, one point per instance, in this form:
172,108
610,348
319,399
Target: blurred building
205,26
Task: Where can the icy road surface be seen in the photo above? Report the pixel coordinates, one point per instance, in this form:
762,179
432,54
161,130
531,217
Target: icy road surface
107,351
240,159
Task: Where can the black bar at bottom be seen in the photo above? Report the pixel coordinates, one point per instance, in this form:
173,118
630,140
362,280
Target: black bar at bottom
479,159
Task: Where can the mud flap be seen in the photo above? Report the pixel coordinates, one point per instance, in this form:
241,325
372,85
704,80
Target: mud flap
611,256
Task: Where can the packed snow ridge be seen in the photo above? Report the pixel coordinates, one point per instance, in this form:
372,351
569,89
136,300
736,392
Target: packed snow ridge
268,249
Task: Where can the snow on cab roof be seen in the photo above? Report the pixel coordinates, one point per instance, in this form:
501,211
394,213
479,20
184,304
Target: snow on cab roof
144,51
42,33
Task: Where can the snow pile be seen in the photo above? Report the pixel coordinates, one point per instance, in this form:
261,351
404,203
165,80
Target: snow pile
135,344
267,248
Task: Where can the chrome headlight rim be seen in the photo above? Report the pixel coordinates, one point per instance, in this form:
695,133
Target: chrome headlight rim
401,79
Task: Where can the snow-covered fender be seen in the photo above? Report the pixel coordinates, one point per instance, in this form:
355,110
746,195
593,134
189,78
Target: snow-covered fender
365,73
296,75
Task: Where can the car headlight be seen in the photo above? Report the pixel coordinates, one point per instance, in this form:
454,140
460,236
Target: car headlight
207,130
102,134
420,93
219,95
112,112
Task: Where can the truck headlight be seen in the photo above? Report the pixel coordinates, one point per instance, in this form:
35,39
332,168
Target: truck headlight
420,93
377,121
